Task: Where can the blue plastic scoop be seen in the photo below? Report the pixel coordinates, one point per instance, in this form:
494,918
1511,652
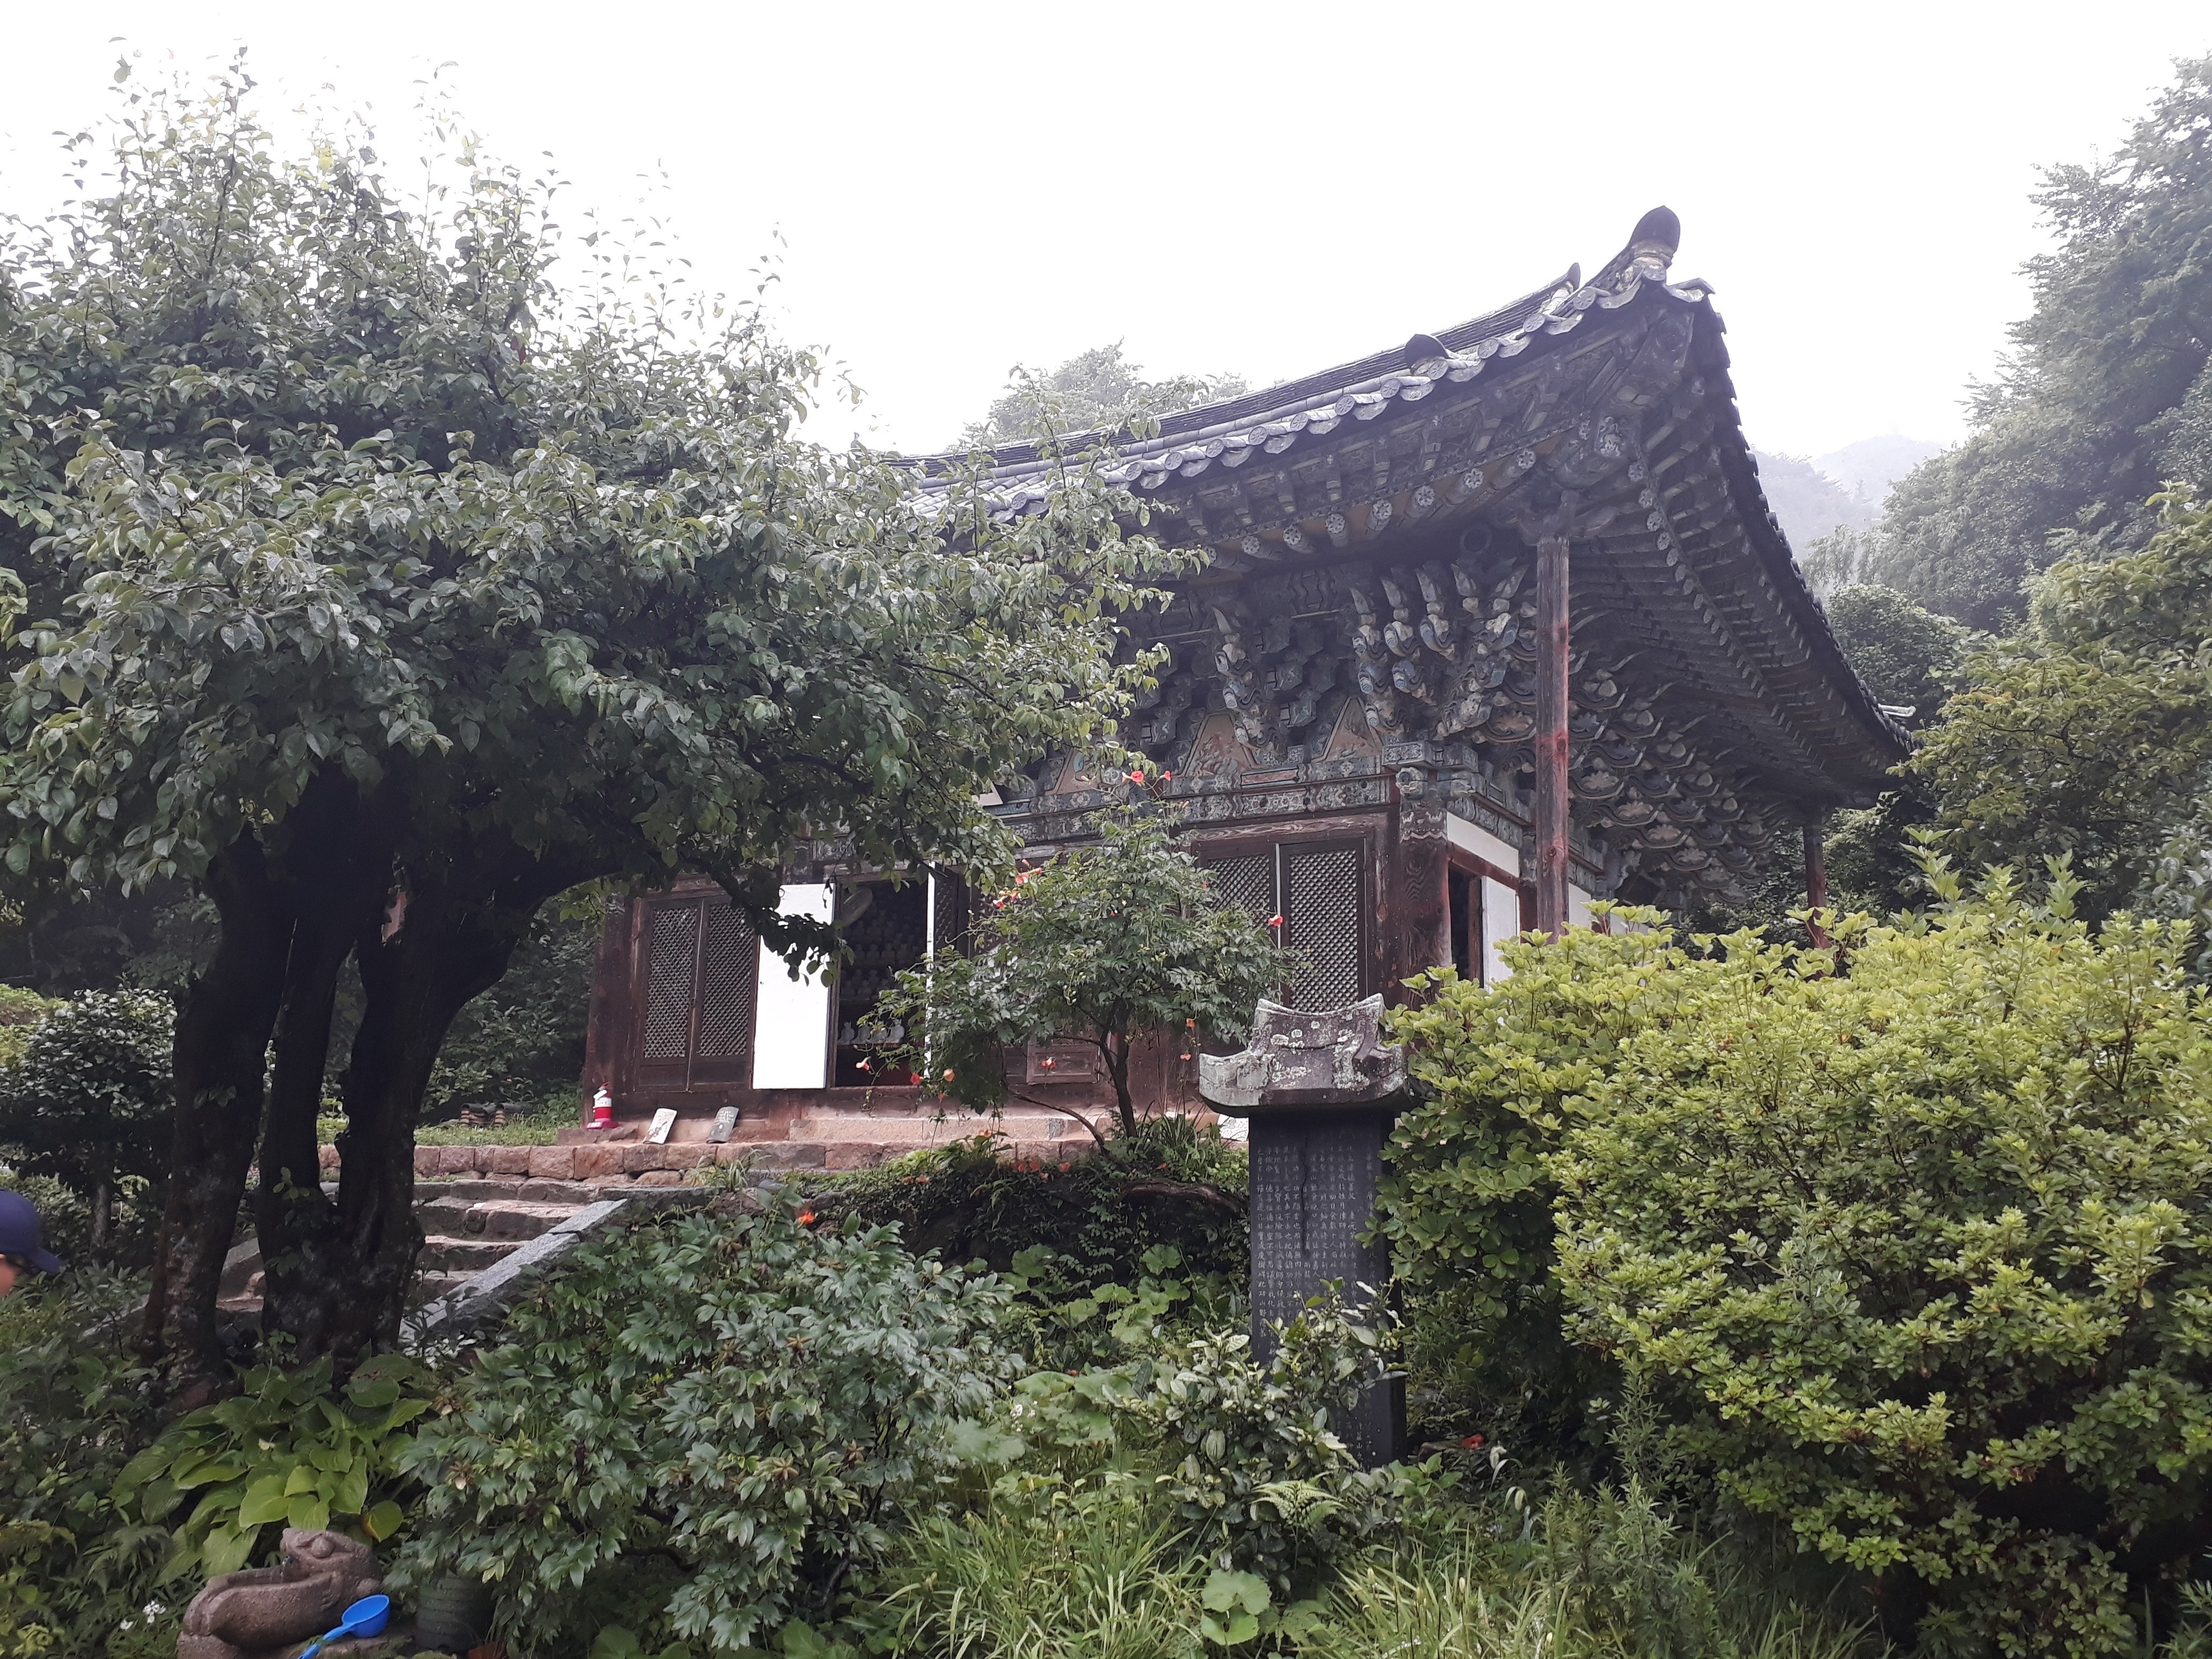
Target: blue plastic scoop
367,1617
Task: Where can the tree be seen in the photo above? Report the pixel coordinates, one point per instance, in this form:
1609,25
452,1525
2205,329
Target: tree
1093,389
2107,395
86,1100
384,590
1906,655
2088,734
1912,1258
1107,945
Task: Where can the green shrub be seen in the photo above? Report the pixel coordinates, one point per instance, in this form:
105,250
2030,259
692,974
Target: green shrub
86,1100
755,1401
969,1202
288,1450
1466,1202
19,1012
1914,1254
73,1407
1241,1454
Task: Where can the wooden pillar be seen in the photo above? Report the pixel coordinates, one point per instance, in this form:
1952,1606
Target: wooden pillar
1552,646
1816,872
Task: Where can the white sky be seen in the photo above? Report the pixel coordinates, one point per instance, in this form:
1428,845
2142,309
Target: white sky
1267,188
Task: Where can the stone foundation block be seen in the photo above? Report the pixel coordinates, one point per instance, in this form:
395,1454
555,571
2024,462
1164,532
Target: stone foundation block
659,1178
853,1155
597,1162
552,1163
509,1160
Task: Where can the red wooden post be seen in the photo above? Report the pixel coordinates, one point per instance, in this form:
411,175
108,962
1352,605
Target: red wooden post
1551,648
1816,873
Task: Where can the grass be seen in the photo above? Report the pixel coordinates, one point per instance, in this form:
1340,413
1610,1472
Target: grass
1087,1576
1092,1573
536,1125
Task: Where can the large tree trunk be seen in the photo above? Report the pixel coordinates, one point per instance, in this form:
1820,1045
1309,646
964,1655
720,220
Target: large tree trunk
222,1039
337,1271
342,872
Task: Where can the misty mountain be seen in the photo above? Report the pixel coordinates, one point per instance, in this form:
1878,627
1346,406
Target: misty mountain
1841,490
1869,467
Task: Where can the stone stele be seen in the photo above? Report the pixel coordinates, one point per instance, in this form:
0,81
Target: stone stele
260,1613
1320,1090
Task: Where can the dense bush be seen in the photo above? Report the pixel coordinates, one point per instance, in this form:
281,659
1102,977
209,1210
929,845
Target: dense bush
1912,1254
969,1202
74,1566
1467,1205
86,1101
752,1402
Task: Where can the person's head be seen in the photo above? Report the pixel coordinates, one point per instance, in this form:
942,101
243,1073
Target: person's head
22,1243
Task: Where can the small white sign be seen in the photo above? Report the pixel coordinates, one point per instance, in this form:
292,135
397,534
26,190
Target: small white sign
663,1122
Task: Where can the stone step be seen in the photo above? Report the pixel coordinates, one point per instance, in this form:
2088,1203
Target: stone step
429,1286
441,1254
492,1217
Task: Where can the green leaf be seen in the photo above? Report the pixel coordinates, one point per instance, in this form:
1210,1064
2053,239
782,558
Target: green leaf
381,1522
226,1549
1226,1590
307,1512
265,1500
1238,1628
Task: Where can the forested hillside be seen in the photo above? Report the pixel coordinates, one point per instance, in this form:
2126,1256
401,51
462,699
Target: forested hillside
2105,396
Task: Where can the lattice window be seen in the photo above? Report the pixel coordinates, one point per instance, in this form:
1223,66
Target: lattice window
1320,916
729,975
672,971
1247,883
1318,893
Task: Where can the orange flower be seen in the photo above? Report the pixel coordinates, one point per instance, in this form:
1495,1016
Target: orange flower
807,1216
948,1074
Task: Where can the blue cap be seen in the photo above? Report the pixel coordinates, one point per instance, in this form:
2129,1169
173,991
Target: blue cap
20,1234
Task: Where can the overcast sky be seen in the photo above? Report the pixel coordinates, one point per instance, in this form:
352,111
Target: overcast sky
1265,188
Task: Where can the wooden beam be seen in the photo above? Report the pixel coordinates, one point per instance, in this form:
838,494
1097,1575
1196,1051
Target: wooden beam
1552,649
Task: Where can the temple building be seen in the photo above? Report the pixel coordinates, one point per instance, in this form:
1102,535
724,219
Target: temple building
1491,625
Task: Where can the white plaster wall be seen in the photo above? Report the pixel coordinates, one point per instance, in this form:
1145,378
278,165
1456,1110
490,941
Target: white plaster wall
1501,921
791,1019
1470,837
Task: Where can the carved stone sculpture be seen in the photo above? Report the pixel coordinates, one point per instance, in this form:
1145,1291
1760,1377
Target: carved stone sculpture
264,1610
1318,1061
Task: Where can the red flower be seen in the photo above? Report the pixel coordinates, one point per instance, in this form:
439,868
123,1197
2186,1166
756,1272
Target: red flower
1472,1442
1165,777
1275,921
948,1074
1049,1063
1136,777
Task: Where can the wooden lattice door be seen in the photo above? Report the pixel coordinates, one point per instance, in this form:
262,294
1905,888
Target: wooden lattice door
700,971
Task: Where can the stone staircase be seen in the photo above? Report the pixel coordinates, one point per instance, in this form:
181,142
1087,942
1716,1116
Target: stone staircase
472,1227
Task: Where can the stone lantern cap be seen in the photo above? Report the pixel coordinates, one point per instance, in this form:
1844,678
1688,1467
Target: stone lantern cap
1300,1060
